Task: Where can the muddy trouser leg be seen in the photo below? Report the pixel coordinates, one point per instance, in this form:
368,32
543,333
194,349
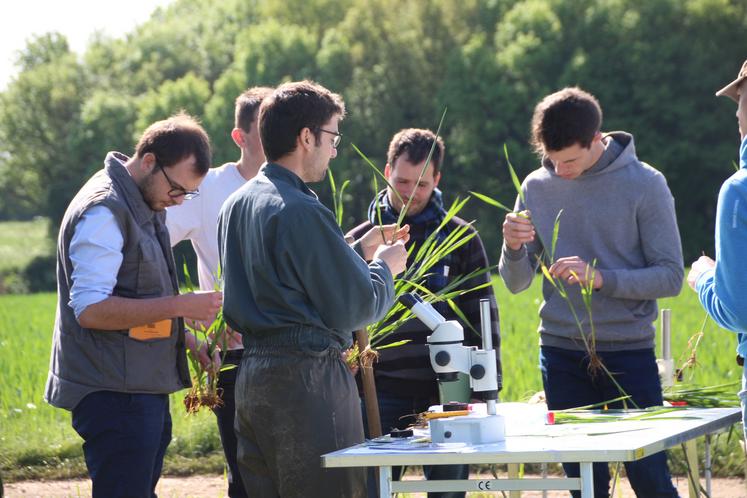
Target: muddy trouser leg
292,407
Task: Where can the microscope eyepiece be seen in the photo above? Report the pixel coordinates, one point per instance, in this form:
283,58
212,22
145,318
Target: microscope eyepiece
442,358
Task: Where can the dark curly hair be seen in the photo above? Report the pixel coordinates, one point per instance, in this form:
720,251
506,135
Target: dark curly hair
565,118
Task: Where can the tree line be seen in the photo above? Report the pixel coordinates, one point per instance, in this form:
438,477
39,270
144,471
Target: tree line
654,66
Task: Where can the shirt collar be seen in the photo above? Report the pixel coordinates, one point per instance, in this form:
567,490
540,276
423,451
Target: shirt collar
277,172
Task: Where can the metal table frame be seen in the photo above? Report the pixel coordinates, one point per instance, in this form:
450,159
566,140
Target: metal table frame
585,446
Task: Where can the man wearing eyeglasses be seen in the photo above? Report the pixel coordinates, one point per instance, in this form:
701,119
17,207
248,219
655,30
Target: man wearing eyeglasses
196,221
118,347
296,290
405,381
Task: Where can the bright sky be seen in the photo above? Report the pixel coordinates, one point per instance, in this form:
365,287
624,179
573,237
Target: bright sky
76,19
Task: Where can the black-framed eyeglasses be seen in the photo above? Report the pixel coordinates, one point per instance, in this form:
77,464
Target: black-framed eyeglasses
338,136
176,189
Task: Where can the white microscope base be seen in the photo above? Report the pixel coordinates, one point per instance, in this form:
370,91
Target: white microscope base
470,429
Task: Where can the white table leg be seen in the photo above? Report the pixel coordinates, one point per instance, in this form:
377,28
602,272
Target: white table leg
587,480
385,482
707,470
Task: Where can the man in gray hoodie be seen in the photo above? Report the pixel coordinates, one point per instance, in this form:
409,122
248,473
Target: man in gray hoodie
618,236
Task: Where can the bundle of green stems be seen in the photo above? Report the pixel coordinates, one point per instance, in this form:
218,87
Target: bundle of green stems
720,395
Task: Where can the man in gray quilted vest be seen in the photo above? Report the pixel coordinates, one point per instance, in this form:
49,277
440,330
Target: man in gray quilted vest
118,348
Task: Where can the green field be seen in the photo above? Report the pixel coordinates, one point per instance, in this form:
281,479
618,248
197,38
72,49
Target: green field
22,241
36,440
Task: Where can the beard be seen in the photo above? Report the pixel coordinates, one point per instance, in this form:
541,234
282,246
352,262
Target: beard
323,175
148,191
316,171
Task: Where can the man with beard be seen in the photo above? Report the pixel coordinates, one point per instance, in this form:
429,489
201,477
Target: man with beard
296,291
405,381
118,348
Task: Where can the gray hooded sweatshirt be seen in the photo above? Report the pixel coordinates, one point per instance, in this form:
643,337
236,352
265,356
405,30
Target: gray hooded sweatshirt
620,215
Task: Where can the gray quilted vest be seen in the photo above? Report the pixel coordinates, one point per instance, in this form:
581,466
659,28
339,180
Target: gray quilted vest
87,360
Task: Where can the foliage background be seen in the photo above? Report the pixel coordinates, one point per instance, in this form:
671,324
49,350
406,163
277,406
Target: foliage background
654,66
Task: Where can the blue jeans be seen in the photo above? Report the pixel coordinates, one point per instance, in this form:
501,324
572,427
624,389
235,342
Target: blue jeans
125,438
391,408
225,415
568,384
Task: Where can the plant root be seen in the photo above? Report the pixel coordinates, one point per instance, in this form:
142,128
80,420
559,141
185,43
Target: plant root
368,357
595,364
192,402
212,399
197,399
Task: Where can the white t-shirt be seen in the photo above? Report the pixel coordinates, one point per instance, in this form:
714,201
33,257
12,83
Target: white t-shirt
197,220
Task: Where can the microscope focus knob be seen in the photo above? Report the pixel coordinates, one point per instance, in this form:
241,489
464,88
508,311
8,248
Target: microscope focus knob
477,372
442,358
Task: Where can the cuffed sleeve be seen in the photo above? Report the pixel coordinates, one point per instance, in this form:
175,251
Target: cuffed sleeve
515,266
96,255
721,290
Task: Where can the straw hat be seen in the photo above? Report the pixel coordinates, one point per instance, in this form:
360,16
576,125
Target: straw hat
730,90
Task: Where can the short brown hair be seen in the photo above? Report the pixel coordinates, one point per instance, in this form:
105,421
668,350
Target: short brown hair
565,118
291,108
417,144
247,106
174,139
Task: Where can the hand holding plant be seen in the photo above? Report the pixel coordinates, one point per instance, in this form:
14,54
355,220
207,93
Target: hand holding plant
702,264
574,270
384,234
200,306
518,229
209,363
395,256
350,357
207,341
205,352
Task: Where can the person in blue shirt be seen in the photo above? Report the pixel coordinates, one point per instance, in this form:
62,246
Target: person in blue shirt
722,284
